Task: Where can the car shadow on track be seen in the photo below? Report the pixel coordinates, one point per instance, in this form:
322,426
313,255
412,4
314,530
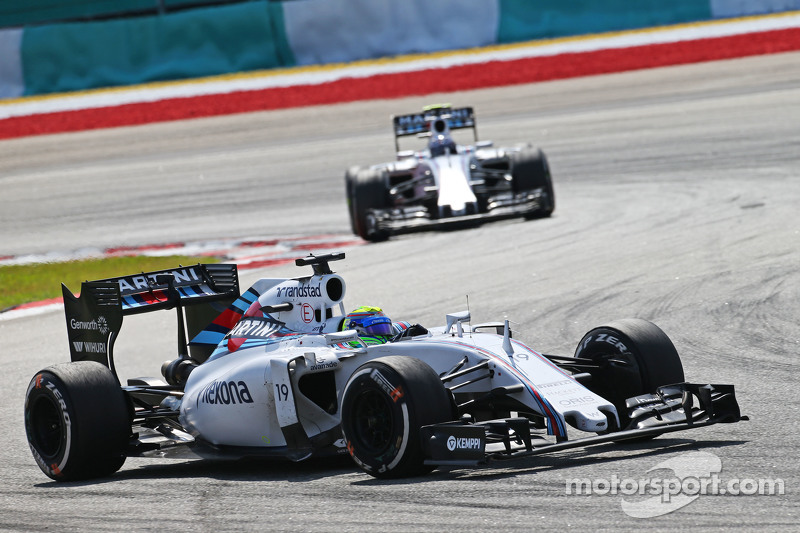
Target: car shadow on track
259,469
255,469
559,461
595,455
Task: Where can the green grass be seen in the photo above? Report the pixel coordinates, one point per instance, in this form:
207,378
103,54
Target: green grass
21,284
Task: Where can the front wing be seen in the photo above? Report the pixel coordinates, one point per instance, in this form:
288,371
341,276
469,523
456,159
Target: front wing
413,218
672,408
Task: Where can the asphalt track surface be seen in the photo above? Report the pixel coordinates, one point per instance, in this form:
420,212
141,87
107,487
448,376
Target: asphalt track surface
676,202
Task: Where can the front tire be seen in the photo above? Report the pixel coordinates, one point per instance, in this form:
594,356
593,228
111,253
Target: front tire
637,358
77,421
530,171
385,403
349,186
368,192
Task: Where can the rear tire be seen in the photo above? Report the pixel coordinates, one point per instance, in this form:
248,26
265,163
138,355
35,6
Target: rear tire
648,360
368,192
77,421
384,404
529,171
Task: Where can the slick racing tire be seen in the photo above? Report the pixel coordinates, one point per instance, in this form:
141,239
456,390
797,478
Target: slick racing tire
349,185
77,421
385,403
368,192
530,171
637,358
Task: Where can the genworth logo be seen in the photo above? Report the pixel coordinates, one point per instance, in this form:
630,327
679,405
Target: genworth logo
673,484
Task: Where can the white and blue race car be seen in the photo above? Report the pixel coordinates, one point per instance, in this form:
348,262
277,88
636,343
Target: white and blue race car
446,184
270,373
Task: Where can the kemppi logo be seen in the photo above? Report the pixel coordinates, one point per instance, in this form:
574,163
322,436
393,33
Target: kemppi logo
463,443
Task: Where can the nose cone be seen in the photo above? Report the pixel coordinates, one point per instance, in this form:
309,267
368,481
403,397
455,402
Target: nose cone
454,190
593,420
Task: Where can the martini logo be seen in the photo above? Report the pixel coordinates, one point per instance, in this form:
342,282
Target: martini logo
145,282
254,328
250,328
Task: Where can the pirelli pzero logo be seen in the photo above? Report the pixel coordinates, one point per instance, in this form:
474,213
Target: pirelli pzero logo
394,392
610,339
54,468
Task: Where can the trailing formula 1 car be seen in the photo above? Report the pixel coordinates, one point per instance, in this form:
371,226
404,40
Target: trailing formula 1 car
446,184
272,373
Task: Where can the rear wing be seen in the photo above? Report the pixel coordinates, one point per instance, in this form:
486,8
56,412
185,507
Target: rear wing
418,123
94,318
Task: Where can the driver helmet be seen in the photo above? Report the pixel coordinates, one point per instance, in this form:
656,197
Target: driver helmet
372,325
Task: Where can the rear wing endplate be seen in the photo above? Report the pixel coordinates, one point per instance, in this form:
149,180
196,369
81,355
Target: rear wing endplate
94,318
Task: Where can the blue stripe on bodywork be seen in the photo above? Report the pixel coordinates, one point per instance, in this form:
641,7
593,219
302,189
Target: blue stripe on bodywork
556,425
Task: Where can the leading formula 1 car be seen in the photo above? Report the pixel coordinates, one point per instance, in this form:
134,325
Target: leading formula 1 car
446,184
269,373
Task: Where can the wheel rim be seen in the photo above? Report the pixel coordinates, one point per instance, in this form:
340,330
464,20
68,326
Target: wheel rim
373,421
47,426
